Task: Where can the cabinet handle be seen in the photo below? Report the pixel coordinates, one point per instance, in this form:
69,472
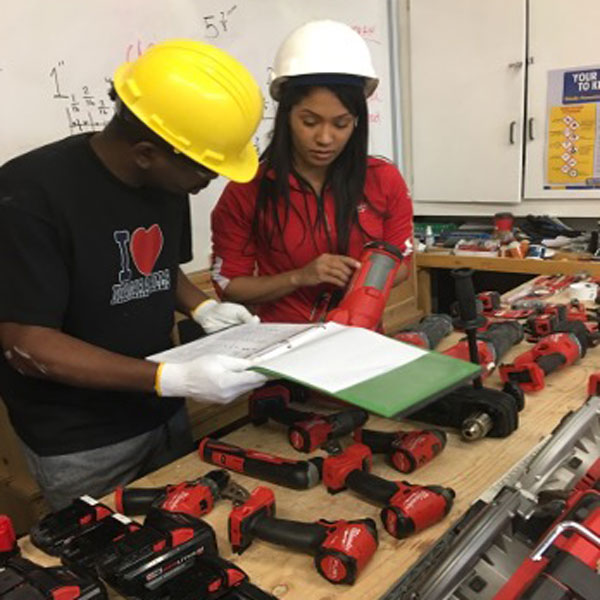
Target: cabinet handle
511,132
530,129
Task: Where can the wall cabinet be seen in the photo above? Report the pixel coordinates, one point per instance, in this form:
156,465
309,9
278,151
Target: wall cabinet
478,94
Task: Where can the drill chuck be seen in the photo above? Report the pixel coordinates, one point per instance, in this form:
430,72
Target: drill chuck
476,426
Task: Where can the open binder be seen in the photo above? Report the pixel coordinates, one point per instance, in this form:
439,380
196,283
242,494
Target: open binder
364,368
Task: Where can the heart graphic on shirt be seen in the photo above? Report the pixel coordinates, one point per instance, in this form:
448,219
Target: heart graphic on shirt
145,247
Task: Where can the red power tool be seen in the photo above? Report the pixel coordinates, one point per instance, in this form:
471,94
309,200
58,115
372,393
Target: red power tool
407,450
307,431
550,354
195,498
8,539
407,508
428,333
369,288
342,548
297,474
490,301
492,345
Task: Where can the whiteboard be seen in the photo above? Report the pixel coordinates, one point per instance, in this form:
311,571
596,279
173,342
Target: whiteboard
57,60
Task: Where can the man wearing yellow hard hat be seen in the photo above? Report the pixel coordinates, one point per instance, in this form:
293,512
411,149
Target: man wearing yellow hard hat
93,229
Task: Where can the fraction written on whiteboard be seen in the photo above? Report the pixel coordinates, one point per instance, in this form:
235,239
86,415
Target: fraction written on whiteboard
86,109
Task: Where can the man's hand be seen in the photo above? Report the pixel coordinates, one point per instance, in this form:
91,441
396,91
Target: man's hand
213,316
327,268
212,377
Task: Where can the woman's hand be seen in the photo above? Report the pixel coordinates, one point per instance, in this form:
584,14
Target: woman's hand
327,268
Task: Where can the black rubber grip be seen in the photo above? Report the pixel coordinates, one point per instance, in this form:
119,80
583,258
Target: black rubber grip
138,501
289,416
300,475
435,328
380,442
291,534
465,294
371,486
347,421
502,336
551,362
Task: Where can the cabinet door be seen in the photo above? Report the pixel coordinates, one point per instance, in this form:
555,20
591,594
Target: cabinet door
562,35
467,99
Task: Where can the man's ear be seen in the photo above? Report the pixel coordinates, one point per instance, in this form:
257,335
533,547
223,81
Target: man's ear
145,154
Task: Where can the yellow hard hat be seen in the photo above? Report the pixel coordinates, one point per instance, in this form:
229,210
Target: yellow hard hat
200,100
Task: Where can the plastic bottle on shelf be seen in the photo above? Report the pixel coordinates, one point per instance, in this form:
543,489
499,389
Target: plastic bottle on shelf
429,237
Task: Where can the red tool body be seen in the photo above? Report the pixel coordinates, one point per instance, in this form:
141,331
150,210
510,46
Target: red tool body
551,353
407,450
8,539
297,474
341,548
369,288
407,508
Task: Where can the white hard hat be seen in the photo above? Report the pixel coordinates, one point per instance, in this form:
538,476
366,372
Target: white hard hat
320,47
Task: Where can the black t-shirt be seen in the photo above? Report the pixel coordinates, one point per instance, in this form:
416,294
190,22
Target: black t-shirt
82,252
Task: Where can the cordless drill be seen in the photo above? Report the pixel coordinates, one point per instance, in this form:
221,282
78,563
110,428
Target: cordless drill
407,508
551,353
492,344
307,431
406,450
364,300
297,474
341,549
428,333
194,498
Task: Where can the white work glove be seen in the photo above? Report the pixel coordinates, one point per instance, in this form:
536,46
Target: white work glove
212,377
213,316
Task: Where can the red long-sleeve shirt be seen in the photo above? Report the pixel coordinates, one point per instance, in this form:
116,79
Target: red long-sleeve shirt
387,217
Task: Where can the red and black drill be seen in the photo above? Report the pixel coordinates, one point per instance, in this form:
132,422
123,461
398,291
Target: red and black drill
407,451
407,508
550,354
195,498
364,300
307,431
341,549
297,474
428,333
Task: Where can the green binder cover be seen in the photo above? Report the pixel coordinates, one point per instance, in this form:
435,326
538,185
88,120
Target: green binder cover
402,390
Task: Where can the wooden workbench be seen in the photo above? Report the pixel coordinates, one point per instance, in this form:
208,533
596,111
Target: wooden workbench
437,259
469,468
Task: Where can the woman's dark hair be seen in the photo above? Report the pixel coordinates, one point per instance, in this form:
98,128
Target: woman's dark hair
345,176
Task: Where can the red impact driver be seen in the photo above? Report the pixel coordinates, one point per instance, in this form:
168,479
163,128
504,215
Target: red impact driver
407,508
369,288
341,549
407,450
307,431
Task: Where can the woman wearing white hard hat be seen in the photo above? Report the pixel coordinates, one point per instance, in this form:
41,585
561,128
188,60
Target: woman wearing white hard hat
289,239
